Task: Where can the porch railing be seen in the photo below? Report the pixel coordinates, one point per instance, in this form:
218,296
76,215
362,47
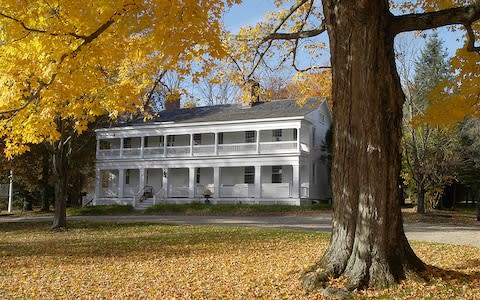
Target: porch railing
203,150
178,191
275,190
237,190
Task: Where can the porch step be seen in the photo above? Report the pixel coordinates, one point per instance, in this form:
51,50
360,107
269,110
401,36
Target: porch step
144,204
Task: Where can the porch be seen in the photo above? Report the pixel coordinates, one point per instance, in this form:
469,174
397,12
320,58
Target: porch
238,184
289,140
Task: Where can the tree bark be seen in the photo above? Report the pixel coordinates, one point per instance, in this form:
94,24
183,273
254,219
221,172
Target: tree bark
59,170
421,198
368,244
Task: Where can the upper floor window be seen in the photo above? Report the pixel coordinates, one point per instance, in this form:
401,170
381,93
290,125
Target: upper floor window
276,174
105,145
171,140
197,139
277,135
249,136
249,175
127,143
220,137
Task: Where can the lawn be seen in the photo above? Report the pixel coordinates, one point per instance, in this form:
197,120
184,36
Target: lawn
108,260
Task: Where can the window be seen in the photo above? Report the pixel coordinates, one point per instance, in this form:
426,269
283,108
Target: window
145,142
277,135
276,174
127,176
249,175
105,145
171,140
295,134
197,175
250,137
197,139
127,143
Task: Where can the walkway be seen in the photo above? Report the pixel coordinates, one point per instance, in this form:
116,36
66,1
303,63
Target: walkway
440,233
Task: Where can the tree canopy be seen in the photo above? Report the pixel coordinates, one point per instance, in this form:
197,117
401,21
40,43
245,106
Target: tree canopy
78,60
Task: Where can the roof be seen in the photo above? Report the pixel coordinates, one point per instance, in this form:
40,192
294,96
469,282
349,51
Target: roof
233,112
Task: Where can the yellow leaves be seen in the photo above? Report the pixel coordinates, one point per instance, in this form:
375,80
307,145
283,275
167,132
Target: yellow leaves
458,97
96,57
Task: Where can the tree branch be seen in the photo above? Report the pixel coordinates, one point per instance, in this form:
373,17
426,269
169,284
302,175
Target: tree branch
296,35
454,16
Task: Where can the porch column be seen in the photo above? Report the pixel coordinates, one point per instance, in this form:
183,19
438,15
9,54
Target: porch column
258,183
191,191
191,144
98,185
258,144
97,151
165,145
121,182
216,182
141,179
298,140
165,181
216,143
121,147
142,145
295,193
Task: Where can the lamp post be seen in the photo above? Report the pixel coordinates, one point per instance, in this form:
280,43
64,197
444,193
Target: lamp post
10,193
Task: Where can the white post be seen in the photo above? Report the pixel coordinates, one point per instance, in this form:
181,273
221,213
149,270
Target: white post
165,145
298,140
141,179
98,185
121,147
191,185
191,144
258,183
296,182
216,183
165,182
142,145
258,141
10,193
216,143
121,182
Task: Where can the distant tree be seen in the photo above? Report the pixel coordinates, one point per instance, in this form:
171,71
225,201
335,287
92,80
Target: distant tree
429,152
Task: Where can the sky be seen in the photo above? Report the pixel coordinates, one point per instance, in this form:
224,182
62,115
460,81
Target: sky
252,11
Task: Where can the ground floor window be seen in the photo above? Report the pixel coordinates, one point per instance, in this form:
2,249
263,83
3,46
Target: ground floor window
276,174
249,175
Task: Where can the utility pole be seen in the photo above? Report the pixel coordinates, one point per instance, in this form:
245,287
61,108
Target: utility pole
10,193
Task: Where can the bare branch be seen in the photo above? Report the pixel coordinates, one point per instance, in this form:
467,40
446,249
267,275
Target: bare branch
471,39
296,35
454,16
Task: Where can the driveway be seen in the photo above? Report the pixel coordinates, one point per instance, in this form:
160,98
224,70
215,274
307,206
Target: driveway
440,233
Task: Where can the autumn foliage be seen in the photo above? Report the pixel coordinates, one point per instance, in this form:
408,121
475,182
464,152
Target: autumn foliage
77,60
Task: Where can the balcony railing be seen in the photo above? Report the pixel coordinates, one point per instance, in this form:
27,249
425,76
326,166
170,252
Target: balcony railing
203,150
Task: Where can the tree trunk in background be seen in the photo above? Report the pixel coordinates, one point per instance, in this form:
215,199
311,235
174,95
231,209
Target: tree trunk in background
44,182
59,164
421,198
368,244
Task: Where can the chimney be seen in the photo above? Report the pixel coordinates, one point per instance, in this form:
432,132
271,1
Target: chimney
251,93
172,101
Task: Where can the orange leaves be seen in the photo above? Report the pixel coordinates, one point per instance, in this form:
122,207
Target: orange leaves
120,261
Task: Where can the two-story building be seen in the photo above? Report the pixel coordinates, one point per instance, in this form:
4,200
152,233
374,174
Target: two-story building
268,152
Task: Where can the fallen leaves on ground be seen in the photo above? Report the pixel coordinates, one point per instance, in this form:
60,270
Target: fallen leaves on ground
146,261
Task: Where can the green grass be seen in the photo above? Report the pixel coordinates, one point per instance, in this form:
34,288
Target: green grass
233,209
100,210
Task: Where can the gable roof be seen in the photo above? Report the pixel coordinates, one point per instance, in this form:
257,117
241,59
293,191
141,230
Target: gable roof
233,112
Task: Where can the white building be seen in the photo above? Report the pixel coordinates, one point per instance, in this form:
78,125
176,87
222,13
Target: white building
269,153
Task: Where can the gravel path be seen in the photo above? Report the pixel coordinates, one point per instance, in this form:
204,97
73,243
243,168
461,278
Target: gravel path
440,233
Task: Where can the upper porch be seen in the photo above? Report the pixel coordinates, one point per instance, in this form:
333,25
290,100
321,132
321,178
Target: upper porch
226,143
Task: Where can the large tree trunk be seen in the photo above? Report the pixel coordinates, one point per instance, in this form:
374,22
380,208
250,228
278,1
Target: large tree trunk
368,244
